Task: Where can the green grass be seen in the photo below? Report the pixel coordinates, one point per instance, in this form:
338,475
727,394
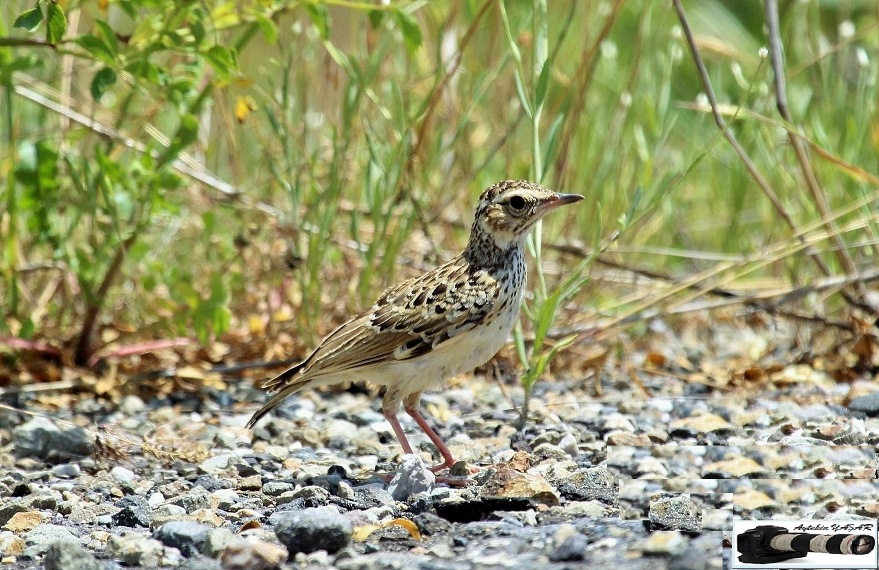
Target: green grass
368,142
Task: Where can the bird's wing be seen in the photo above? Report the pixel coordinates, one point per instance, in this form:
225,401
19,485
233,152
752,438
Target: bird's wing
409,320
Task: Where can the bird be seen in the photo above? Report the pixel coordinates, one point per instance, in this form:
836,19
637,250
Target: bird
443,323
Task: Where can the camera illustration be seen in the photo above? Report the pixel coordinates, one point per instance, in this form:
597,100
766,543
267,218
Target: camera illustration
767,544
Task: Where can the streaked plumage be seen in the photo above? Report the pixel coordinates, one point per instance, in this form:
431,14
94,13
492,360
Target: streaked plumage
436,326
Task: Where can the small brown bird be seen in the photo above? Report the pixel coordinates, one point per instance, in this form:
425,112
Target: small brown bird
436,326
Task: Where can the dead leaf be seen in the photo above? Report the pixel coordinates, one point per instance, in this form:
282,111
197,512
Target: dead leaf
361,533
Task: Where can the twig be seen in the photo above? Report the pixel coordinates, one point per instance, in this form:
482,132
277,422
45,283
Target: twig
775,59
95,301
585,74
743,156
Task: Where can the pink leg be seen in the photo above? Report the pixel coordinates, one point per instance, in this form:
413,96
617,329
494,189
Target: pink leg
448,460
398,430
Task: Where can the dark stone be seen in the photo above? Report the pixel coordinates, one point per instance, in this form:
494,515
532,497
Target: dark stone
189,537
572,549
211,483
314,529
429,523
479,509
135,512
44,439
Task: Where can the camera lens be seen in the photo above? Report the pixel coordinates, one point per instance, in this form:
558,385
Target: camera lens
858,544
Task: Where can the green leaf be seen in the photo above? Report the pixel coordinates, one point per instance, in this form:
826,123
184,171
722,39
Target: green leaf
542,85
102,81
376,17
29,20
410,29
186,134
56,24
268,27
109,36
320,17
148,71
523,98
223,60
97,47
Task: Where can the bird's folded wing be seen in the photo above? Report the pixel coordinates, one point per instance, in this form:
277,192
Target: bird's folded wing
408,321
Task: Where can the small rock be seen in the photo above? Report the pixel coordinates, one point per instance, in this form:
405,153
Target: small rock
196,499
312,494
217,463
868,404
669,542
10,545
42,438
568,444
123,475
66,471
130,405
166,513
188,537
24,521
251,554
572,549
275,488
42,536
134,511
412,476
675,512
67,555
199,562
701,424
590,484
321,528
137,550
735,468
627,439
546,451
506,483
217,541
211,483
250,483
225,498
429,523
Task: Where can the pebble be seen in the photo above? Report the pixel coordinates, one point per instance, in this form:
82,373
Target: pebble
66,471
123,475
677,512
38,540
276,488
43,439
186,536
572,549
134,511
308,530
196,499
69,555
252,554
669,542
135,549
412,477
568,444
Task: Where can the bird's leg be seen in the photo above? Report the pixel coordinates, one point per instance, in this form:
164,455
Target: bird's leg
411,407
398,430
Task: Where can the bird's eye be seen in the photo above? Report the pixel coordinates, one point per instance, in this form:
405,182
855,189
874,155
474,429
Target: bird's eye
517,203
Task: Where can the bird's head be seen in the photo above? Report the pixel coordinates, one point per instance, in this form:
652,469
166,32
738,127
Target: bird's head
508,209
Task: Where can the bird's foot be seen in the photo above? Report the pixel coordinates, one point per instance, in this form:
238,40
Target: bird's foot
456,468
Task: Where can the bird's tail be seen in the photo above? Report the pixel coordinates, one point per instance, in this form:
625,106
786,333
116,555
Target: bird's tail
283,385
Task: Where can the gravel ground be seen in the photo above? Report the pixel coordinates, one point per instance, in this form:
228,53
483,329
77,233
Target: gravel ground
655,481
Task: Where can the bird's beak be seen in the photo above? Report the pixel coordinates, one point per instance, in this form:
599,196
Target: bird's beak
557,200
